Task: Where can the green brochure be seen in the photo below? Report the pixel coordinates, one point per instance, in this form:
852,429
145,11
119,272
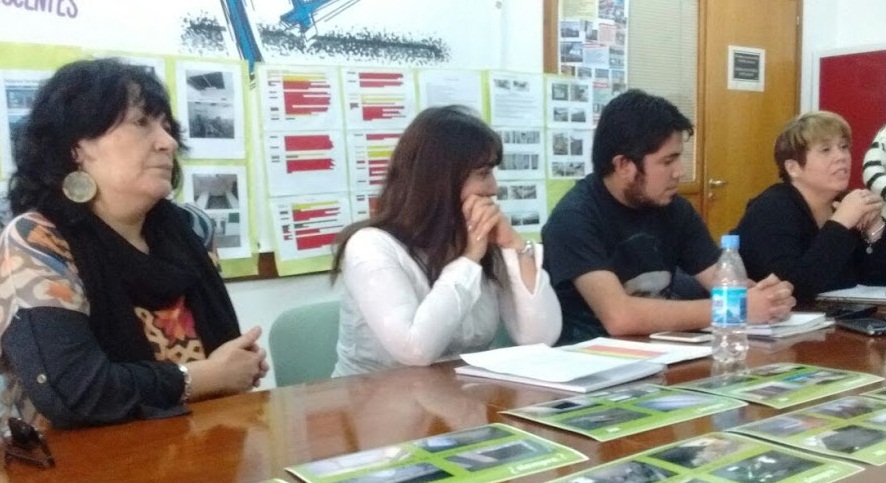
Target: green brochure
853,427
718,457
878,394
495,452
782,385
611,414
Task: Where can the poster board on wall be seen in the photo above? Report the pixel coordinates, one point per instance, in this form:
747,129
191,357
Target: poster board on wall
850,82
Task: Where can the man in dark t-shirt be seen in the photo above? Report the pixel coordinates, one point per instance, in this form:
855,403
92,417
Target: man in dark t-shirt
616,239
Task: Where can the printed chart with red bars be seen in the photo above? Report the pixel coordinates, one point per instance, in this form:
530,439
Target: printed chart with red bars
306,226
379,99
369,154
364,204
305,163
300,98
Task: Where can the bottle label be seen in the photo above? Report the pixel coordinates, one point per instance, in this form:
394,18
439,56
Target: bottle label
729,305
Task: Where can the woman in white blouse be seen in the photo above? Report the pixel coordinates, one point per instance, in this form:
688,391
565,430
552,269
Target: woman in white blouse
437,267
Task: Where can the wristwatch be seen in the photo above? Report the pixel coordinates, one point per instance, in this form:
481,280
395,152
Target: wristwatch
186,391
528,249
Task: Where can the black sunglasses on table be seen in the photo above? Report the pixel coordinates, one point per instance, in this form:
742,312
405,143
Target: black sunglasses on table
25,443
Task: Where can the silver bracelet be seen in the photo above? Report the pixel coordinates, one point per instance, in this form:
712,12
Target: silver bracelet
186,392
528,249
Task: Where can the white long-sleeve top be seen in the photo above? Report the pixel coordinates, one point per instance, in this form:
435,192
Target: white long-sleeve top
391,317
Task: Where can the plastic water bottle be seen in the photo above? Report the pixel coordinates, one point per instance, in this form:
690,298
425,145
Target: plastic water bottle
729,306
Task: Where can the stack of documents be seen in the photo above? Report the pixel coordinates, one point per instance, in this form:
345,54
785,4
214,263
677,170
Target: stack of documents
859,293
584,367
798,323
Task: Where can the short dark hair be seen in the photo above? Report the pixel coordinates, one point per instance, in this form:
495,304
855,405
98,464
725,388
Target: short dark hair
420,203
82,100
802,132
635,124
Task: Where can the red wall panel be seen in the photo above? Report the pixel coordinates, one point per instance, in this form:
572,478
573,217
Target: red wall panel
854,86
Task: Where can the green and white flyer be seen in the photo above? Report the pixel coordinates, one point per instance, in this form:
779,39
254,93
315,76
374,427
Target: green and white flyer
878,394
852,427
611,414
782,385
491,453
718,457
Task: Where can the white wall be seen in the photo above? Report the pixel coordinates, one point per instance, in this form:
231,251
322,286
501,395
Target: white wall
260,302
830,25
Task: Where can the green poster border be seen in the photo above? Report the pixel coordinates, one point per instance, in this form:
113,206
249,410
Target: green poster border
558,456
654,419
829,470
792,398
874,454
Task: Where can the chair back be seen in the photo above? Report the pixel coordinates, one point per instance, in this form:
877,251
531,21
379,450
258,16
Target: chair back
302,343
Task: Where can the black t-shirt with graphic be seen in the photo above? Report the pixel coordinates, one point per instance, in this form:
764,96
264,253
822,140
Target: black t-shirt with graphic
590,230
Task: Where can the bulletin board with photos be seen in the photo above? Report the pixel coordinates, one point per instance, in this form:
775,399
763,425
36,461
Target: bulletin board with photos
322,135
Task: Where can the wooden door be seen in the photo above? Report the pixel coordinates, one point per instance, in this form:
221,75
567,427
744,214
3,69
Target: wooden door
737,129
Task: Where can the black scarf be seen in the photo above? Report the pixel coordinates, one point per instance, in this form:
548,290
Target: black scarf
118,277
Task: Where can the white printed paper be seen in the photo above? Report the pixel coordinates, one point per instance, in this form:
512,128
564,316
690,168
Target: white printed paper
523,154
446,87
516,99
299,98
210,107
568,103
369,154
305,162
569,153
306,226
524,203
379,98
16,100
221,191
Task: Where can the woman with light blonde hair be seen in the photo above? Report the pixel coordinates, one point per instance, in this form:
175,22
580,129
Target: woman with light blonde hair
810,229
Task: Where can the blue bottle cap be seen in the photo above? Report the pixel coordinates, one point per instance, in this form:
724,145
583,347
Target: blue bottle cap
729,241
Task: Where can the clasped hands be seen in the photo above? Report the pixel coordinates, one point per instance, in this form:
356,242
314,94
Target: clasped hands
487,224
860,210
770,300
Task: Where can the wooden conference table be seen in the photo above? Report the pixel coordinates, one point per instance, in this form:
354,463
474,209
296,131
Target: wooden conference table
253,437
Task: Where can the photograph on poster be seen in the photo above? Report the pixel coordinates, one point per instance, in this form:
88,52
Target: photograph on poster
524,203
605,417
220,191
516,99
489,456
626,472
518,161
699,451
570,52
227,229
788,425
579,92
210,106
559,91
846,439
215,191
19,88
570,29
770,466
522,154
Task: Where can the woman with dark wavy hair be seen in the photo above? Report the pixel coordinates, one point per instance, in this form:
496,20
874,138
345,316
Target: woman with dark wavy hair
433,271
111,307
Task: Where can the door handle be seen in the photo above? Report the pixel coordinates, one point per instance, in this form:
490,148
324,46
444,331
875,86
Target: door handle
716,183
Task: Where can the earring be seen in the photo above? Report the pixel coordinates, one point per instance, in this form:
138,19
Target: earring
79,187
